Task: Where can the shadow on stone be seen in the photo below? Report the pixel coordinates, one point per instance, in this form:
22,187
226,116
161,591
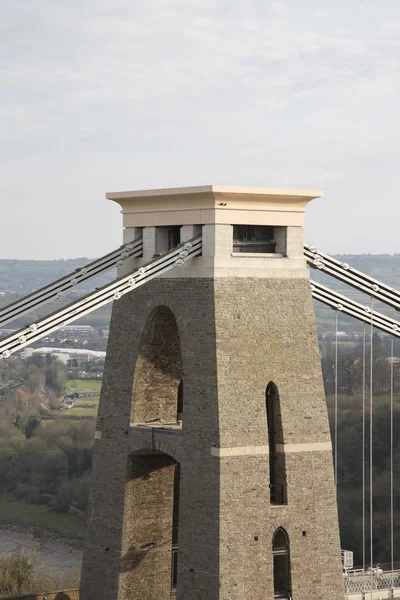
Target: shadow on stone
133,557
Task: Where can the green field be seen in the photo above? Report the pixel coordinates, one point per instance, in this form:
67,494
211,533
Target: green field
83,412
83,385
29,515
384,398
80,386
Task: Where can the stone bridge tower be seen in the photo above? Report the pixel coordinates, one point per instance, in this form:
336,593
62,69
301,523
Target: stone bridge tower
212,475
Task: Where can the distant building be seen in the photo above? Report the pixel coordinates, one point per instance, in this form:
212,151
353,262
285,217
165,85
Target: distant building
79,355
7,331
76,328
69,402
393,359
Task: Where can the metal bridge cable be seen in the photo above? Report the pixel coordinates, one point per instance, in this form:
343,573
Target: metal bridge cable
391,457
112,291
357,279
56,289
363,450
336,403
370,440
354,309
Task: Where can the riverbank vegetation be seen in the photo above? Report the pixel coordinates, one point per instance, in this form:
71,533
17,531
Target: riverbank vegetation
20,574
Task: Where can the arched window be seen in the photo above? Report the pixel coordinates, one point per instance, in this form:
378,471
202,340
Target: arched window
281,559
277,468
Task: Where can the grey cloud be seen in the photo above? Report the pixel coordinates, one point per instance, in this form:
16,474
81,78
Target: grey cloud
99,96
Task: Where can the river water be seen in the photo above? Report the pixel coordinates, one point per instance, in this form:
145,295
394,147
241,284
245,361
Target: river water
50,554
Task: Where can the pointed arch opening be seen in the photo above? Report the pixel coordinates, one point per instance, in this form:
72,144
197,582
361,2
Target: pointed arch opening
151,526
157,385
281,564
277,467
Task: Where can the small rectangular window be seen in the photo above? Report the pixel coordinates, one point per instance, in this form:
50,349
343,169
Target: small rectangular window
167,238
174,236
254,238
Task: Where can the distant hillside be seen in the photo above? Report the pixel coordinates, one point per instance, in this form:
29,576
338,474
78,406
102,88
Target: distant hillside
24,276
385,267
21,277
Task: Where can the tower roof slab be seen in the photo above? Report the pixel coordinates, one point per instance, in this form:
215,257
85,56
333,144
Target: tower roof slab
213,204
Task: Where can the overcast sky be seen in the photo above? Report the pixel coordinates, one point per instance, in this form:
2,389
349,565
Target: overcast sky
108,95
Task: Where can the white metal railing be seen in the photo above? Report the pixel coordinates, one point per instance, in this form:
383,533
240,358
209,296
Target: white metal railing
359,582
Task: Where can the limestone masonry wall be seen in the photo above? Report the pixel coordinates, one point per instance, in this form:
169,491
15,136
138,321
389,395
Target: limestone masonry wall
236,334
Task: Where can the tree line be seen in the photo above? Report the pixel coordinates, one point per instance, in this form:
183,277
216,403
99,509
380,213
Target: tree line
42,462
49,463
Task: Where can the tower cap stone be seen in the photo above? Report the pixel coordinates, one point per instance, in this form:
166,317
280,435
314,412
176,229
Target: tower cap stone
213,204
